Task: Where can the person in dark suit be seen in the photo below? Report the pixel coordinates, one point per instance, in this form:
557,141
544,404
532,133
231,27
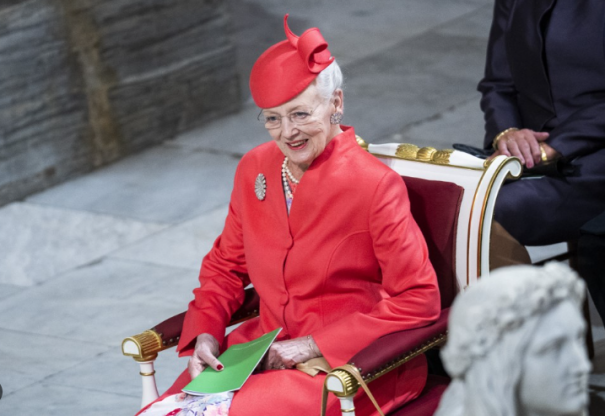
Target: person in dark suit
543,98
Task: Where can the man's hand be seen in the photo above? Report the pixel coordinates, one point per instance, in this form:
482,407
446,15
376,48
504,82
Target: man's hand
206,350
525,144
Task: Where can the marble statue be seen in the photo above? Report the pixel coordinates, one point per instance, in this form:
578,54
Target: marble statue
516,345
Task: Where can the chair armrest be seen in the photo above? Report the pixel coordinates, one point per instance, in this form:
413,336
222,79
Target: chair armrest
380,357
146,345
391,351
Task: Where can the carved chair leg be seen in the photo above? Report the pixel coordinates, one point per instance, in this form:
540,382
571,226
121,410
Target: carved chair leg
346,406
150,390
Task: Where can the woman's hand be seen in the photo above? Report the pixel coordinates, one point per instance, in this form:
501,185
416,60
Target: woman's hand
286,354
204,354
525,144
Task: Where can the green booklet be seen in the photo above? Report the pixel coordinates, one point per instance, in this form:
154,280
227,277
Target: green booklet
239,362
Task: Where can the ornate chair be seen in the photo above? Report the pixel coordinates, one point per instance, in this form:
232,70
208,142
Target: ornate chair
452,197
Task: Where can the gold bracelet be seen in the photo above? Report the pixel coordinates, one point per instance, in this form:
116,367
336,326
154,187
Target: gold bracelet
500,135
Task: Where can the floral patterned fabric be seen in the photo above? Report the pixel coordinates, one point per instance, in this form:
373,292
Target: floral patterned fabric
183,404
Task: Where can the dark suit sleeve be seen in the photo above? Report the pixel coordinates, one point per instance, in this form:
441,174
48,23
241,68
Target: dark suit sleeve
499,96
581,133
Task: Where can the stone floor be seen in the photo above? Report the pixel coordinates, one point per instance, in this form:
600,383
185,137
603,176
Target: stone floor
110,254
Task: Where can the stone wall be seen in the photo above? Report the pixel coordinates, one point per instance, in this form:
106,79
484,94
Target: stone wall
85,82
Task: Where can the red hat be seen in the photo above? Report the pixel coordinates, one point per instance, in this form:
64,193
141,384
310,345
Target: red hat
287,68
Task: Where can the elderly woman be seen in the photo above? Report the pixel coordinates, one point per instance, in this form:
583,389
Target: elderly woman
516,346
324,233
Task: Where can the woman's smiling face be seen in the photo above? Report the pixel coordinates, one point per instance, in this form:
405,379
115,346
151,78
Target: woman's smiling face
302,143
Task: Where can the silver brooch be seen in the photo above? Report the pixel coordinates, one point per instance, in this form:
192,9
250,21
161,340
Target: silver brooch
260,186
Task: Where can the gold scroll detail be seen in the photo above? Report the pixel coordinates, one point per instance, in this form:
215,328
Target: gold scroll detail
407,151
348,382
362,143
149,343
425,154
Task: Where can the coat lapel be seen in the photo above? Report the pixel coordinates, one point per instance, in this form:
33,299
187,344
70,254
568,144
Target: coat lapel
314,192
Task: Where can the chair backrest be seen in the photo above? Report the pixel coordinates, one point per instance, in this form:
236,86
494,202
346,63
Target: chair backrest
435,206
470,200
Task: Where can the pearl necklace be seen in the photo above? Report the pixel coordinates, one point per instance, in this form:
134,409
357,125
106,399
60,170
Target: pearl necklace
287,189
285,170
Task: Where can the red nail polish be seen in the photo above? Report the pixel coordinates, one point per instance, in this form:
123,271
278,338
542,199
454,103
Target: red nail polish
220,367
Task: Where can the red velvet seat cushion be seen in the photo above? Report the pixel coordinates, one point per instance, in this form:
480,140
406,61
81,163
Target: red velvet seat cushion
435,206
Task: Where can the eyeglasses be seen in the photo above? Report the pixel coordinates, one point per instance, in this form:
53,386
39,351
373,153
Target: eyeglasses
298,118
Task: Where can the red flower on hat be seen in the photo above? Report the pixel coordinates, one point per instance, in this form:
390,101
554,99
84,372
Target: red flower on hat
287,68
311,46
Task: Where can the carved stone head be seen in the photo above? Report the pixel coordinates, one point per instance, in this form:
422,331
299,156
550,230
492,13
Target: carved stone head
516,345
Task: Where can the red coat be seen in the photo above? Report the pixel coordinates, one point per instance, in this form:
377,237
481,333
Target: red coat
347,266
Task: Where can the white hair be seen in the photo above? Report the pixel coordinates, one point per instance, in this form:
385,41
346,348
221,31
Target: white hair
329,80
